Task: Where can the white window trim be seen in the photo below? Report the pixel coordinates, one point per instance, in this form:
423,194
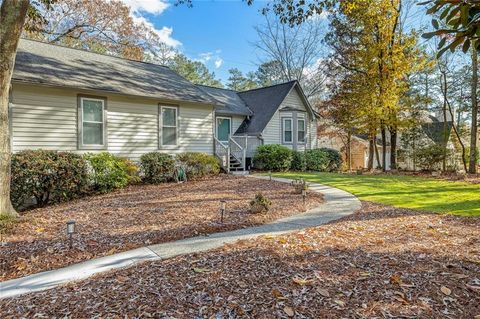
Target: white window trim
81,121
216,125
284,119
304,131
161,126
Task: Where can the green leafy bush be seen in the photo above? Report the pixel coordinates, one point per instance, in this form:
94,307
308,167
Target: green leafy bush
429,157
299,162
157,167
260,204
323,160
198,165
110,172
47,176
273,157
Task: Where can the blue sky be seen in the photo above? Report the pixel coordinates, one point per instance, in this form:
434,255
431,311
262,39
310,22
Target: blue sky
219,33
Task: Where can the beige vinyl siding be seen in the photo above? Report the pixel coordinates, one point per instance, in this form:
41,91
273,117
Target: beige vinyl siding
272,133
46,118
43,118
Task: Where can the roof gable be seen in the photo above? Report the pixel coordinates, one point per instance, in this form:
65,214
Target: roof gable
53,65
263,102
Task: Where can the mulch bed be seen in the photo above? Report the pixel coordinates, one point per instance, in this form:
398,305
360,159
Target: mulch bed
137,216
378,263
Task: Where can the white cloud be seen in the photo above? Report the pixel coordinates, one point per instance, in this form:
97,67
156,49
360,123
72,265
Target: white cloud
148,6
155,7
218,62
213,56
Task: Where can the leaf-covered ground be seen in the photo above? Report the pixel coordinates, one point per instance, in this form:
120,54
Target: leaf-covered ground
381,262
138,216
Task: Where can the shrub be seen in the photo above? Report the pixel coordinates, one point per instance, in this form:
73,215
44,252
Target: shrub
429,157
157,167
273,157
47,176
323,160
299,162
109,172
260,204
198,165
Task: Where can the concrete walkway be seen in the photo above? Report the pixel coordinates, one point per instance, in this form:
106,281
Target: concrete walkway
337,204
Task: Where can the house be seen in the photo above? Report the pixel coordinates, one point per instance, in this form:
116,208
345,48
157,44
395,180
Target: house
72,100
430,132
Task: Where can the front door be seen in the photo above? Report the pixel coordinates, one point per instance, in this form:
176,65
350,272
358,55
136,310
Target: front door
223,128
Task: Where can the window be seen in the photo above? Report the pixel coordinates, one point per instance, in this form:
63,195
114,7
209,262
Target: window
287,130
92,123
169,125
223,128
301,131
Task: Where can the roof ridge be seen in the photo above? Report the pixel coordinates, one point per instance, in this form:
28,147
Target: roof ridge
267,87
96,53
216,87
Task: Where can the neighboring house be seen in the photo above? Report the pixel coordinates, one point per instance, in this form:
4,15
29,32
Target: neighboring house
73,100
431,132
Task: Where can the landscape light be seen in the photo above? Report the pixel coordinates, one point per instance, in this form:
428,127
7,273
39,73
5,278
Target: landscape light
304,195
223,206
270,174
70,232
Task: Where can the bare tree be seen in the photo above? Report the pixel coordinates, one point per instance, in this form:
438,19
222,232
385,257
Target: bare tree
297,50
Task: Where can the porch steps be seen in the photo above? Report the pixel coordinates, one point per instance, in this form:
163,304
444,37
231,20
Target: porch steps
235,164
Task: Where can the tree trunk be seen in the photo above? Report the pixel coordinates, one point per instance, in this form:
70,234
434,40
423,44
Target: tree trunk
377,155
371,153
384,148
12,18
472,167
445,126
393,147
349,151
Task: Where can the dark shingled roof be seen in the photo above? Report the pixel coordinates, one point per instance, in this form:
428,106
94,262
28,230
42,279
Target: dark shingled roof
54,65
228,101
264,102
434,129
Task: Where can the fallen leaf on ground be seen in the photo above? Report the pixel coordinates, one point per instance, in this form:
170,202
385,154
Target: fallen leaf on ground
289,311
445,290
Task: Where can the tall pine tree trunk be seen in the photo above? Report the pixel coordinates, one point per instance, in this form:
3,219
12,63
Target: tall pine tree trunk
377,155
12,18
384,148
371,153
393,147
472,167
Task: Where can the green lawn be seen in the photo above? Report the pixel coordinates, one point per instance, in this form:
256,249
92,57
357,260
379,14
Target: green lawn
426,194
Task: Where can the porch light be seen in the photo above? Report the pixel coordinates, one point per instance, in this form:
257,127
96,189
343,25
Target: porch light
70,231
223,206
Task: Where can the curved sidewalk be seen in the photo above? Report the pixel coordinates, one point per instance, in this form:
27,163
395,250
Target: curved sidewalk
337,204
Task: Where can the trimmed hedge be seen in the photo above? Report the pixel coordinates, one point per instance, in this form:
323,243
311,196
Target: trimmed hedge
110,172
299,162
198,165
323,160
47,176
157,167
273,157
